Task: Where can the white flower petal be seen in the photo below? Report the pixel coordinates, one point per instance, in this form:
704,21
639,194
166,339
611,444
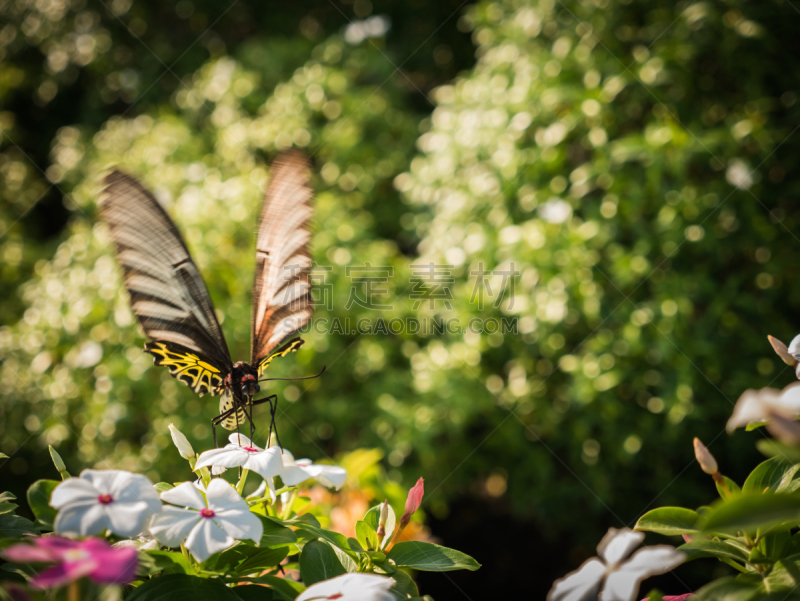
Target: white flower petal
222,495
134,488
240,440
331,476
206,538
127,519
227,456
240,524
103,480
351,587
173,525
184,495
618,544
794,347
73,490
266,464
82,520
623,584
580,585
293,475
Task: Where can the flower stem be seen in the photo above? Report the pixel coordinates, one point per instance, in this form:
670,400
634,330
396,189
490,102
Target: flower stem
288,509
242,480
74,591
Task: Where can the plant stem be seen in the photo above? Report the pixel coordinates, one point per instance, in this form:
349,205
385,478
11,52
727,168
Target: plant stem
288,509
242,480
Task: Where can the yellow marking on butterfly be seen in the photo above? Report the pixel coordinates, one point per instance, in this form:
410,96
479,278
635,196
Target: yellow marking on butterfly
187,367
292,345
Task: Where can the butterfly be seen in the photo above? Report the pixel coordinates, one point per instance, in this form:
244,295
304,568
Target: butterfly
171,301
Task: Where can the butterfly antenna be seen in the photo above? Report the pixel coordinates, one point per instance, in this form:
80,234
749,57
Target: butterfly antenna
297,378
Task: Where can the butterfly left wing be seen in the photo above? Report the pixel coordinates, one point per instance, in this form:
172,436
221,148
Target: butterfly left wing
281,290
194,370
167,292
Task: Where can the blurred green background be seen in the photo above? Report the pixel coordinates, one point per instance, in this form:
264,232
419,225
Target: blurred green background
632,160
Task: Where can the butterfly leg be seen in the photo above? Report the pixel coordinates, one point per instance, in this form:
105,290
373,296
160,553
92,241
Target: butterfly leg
216,421
269,399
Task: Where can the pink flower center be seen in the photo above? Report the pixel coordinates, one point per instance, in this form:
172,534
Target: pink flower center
335,596
207,513
250,449
105,499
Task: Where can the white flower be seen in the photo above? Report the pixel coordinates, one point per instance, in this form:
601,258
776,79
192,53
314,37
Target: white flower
297,471
183,444
617,571
241,452
756,406
101,500
207,525
350,587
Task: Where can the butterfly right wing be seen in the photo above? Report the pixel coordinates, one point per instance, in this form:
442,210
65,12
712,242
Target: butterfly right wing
167,292
281,290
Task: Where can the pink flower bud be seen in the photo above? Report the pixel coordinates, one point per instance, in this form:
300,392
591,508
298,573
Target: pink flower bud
704,457
414,499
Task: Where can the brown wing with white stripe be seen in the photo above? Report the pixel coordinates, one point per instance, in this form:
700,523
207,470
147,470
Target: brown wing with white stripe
167,292
282,291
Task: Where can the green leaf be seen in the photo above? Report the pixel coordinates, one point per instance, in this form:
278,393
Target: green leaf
405,586
784,575
372,517
773,475
245,559
733,488
177,586
319,562
366,536
288,589
169,562
253,592
712,548
11,525
729,589
349,564
748,512
431,558
275,534
669,521
3,456
163,487
39,501
302,520
313,532
773,448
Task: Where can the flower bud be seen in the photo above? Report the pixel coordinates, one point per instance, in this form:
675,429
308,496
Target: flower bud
704,457
382,518
183,444
414,500
59,463
782,351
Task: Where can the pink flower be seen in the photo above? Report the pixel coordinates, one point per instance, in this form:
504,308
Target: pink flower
74,559
414,500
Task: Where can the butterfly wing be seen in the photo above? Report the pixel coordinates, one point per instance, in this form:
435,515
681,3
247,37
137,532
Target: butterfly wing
289,347
167,293
281,290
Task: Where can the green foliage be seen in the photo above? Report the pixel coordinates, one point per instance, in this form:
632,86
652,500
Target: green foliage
631,160
430,558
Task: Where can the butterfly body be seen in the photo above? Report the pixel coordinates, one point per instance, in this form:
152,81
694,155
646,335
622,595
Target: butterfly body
171,301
